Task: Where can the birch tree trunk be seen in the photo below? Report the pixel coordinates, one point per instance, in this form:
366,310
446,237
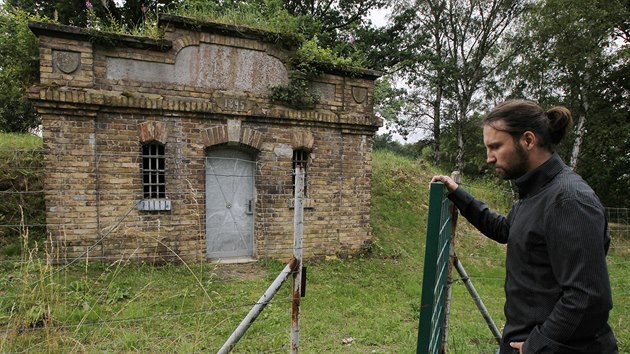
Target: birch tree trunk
459,160
436,125
581,125
579,138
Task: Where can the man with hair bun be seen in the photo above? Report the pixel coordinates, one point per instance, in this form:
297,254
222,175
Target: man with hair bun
557,286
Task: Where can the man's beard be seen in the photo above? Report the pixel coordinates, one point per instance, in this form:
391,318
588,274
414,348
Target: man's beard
518,166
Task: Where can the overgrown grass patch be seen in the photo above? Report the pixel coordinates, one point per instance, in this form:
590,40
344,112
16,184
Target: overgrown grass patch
19,141
21,190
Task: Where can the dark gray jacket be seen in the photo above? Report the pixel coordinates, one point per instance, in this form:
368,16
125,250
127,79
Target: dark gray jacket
557,286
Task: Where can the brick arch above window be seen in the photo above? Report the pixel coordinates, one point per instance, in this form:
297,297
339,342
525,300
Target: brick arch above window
233,134
152,131
303,140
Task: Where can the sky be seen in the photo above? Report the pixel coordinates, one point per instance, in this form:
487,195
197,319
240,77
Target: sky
379,17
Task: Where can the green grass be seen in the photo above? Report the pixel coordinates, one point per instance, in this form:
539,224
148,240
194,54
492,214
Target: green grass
16,141
367,304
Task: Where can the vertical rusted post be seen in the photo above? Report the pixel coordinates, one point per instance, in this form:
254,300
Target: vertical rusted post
456,176
298,222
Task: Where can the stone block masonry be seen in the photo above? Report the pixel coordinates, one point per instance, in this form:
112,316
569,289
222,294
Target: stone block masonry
201,96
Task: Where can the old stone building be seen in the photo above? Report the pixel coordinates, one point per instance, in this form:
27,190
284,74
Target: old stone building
173,150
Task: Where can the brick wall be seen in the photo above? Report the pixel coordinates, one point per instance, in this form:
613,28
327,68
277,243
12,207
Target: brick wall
95,123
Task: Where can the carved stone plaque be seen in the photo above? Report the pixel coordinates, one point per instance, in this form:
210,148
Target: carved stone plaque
359,94
66,62
212,66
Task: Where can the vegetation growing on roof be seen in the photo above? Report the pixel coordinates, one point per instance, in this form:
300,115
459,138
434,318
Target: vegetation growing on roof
268,15
310,62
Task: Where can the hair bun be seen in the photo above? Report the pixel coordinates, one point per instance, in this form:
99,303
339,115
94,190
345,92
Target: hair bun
559,123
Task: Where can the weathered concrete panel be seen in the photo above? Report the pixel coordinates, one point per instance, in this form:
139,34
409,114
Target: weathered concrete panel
326,90
209,66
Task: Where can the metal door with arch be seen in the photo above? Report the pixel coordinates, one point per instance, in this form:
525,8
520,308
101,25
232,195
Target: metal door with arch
229,203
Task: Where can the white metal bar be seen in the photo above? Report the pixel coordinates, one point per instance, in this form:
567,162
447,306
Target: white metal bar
298,222
258,307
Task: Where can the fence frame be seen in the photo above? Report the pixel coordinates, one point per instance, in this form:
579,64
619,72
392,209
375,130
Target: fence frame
436,264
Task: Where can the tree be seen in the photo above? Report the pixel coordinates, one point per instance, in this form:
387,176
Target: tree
476,164
476,33
388,100
344,27
605,157
68,12
566,51
333,16
19,59
429,72
575,53
135,13
132,14
461,55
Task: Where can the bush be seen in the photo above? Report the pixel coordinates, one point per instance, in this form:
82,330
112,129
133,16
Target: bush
19,68
21,188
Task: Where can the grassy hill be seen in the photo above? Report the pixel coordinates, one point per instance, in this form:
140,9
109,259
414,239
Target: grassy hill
365,304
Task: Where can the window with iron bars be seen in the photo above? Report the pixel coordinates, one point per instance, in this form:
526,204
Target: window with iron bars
153,171
300,159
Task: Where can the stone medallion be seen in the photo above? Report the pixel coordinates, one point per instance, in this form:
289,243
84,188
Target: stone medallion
66,62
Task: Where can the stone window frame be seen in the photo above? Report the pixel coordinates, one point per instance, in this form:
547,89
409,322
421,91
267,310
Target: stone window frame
302,141
301,157
153,155
153,170
153,136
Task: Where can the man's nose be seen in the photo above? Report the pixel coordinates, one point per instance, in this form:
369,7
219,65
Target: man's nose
490,158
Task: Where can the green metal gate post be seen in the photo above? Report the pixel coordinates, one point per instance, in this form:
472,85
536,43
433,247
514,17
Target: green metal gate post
434,281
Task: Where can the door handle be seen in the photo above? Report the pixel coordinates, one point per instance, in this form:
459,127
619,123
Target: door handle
250,207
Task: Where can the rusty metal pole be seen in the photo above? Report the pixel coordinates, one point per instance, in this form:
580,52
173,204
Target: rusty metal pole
258,307
456,176
473,293
298,222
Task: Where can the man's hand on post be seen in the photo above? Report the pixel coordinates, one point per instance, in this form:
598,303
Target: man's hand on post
448,182
517,345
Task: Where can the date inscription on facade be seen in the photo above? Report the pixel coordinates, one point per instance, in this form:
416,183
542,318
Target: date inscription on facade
234,104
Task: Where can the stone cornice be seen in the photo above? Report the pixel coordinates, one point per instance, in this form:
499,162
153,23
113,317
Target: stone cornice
105,38
49,97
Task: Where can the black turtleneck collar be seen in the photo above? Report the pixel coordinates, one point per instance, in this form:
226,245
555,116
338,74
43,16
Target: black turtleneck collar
531,182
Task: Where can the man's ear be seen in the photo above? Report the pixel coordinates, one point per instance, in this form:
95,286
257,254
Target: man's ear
528,140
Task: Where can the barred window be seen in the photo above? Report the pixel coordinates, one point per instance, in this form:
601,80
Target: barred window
153,171
300,159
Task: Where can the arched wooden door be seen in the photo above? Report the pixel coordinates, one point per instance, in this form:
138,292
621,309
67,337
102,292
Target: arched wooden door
229,203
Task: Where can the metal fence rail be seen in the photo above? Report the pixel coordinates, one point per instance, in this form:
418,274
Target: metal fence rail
619,221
